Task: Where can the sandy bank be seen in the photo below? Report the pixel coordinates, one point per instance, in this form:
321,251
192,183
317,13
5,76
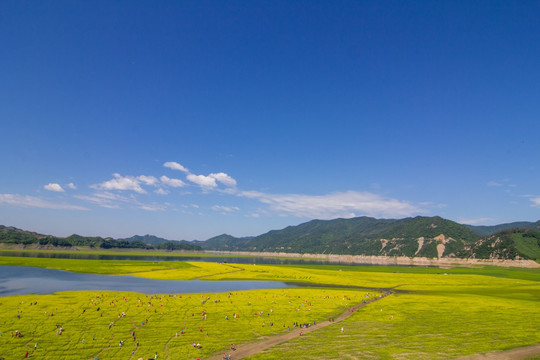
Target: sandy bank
389,260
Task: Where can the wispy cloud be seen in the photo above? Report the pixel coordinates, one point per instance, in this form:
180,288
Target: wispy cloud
341,204
175,166
494,183
148,180
226,209
535,201
53,187
206,182
211,181
104,199
72,186
114,201
161,191
36,202
171,182
120,182
224,179
153,207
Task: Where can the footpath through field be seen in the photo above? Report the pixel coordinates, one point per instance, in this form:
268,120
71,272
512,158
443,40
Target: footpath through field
515,354
245,350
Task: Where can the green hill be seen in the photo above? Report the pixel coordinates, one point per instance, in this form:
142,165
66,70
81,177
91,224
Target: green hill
419,236
506,244
489,230
14,236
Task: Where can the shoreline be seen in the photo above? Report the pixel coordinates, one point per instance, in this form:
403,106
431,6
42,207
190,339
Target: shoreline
387,260
334,258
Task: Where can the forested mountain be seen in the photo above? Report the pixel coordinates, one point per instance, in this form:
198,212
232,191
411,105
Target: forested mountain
432,237
489,230
515,243
12,235
419,236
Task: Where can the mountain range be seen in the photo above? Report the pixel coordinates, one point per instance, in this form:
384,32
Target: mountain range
432,237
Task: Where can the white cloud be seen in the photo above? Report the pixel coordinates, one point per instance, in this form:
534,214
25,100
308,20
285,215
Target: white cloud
32,201
494,183
121,183
206,182
53,187
161,191
535,201
225,208
211,181
342,204
148,180
175,166
152,207
224,179
71,186
172,182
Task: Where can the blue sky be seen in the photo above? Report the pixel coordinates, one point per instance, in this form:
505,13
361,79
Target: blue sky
189,119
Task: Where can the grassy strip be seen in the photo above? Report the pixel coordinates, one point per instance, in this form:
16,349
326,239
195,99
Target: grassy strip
177,270
123,252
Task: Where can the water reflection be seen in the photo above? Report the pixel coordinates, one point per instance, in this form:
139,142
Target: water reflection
21,280
236,260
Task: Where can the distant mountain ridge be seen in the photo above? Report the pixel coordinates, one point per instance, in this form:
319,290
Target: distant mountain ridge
432,237
489,230
147,239
12,235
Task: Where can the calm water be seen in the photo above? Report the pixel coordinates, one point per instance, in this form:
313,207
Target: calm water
21,280
237,260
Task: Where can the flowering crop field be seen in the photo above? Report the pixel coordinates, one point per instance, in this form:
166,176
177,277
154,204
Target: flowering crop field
432,314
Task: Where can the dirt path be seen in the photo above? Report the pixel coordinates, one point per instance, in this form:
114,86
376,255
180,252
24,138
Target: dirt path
514,354
250,349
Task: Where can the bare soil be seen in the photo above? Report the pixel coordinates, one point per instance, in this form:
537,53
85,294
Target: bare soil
514,354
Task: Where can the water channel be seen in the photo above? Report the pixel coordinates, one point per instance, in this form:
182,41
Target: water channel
150,257
22,280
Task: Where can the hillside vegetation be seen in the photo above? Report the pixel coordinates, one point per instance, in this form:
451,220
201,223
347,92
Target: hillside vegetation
14,236
432,237
506,244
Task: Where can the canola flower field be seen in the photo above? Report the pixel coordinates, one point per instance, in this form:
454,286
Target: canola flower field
432,314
